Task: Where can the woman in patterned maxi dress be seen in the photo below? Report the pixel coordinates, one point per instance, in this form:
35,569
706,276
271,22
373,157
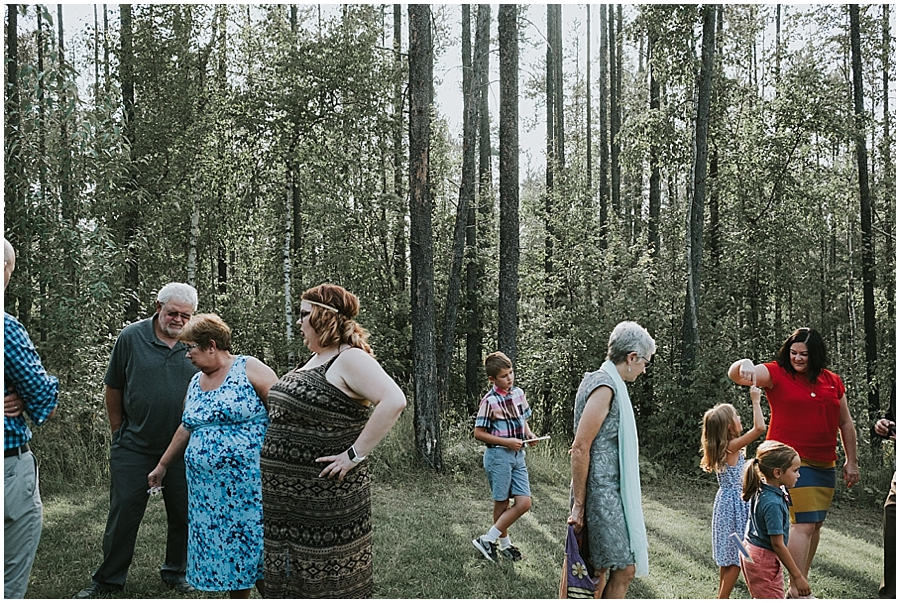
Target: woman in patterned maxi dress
316,488
221,435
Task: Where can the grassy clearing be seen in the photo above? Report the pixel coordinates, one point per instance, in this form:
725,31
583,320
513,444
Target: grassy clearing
424,524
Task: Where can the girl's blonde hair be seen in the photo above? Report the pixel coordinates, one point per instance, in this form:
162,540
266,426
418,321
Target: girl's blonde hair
332,314
718,430
770,455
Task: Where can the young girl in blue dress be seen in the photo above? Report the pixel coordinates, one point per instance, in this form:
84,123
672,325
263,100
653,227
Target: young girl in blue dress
722,447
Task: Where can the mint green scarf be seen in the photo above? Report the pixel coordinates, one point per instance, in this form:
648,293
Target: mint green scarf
629,473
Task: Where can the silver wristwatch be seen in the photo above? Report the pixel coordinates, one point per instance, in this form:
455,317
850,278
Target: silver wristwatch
355,457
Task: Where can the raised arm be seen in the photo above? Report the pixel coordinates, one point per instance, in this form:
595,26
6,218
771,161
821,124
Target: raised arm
744,372
759,422
595,412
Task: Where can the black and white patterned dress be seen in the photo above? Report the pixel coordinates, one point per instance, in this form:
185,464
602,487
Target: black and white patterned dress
317,531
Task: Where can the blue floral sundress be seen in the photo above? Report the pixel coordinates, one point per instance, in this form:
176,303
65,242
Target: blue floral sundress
225,529
730,514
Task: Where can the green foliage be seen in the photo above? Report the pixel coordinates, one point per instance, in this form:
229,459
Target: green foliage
241,114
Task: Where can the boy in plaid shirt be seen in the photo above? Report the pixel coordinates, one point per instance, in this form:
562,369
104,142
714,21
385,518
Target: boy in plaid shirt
502,425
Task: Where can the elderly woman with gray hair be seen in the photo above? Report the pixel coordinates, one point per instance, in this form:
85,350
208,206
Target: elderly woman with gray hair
606,485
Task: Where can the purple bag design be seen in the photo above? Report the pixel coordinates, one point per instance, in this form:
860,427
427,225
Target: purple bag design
577,574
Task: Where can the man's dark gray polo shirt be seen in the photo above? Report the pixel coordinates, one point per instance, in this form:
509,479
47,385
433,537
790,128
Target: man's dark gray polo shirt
154,379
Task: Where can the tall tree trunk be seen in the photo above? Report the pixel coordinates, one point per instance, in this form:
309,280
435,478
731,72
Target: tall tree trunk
130,218
507,306
655,196
65,164
286,260
421,66
466,200
691,325
555,136
105,50
589,160
194,238
613,112
17,219
96,59
477,235
296,196
890,187
865,212
603,198
399,258
714,239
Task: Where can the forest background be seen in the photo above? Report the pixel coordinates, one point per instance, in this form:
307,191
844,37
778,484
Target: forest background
722,174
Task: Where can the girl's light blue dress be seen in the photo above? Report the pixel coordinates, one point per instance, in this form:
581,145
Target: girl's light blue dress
225,530
730,514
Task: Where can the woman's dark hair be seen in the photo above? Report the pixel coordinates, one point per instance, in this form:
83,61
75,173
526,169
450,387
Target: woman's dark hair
815,346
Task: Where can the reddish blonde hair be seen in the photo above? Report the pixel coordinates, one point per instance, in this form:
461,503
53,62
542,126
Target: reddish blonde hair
336,327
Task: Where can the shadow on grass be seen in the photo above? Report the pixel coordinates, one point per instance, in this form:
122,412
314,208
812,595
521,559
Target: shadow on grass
423,527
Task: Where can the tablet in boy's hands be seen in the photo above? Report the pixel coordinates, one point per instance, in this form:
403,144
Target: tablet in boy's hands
546,437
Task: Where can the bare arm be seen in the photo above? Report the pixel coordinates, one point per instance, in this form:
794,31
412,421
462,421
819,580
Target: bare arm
261,378
595,411
848,441
115,407
483,435
173,452
364,376
784,555
744,372
759,422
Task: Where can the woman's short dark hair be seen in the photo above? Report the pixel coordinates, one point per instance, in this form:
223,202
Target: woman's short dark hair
205,328
815,347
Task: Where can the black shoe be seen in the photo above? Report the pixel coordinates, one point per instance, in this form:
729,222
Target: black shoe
180,586
511,553
486,548
97,590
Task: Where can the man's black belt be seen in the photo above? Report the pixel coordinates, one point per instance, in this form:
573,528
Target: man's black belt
16,451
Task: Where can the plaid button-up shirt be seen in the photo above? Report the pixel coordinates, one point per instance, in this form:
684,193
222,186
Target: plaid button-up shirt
24,373
503,413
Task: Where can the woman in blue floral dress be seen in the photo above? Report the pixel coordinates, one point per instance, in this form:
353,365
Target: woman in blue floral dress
222,431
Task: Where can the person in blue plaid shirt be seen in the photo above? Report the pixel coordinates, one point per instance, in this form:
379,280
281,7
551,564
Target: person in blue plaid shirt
502,424
28,390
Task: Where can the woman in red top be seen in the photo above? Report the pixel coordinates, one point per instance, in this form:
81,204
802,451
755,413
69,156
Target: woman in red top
809,407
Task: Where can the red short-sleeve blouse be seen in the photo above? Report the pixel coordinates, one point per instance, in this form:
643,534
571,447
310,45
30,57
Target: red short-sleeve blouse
806,422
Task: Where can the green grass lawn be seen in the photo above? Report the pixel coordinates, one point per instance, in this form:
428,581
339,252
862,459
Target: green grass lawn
424,524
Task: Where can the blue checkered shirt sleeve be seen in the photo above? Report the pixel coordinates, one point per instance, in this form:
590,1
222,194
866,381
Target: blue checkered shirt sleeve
24,373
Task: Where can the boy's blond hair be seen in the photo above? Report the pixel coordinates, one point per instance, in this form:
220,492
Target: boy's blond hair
495,363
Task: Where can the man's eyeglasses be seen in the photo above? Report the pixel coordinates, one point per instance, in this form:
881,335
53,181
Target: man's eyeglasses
172,314
191,347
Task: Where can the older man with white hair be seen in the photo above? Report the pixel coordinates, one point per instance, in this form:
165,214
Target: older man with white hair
146,383
28,391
